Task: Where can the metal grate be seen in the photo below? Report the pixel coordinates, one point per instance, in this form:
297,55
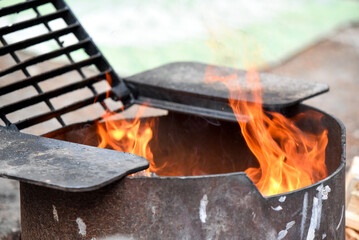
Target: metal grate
21,74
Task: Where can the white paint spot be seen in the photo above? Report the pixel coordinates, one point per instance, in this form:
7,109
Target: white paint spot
82,226
341,218
319,209
116,237
284,232
202,208
277,208
290,224
313,219
282,198
324,235
304,214
54,212
324,191
322,194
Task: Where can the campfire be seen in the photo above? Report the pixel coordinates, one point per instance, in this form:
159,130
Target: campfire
288,157
237,156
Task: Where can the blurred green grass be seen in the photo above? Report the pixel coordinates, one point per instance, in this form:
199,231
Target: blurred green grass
261,44
136,35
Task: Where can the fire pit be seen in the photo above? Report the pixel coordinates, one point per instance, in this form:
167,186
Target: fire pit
198,186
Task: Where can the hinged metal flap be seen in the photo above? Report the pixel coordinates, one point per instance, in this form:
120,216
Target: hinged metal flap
62,165
181,86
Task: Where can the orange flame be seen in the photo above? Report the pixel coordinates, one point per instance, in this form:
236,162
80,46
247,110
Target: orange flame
130,136
288,158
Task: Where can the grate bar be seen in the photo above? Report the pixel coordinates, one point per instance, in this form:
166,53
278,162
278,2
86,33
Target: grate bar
51,94
44,57
46,116
16,8
35,40
33,22
119,90
36,86
58,71
92,89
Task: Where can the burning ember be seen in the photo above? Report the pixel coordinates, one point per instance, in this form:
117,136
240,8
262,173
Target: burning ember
289,158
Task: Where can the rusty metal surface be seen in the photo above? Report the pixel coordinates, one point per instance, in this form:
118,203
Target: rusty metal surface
225,206
180,87
9,210
62,165
216,207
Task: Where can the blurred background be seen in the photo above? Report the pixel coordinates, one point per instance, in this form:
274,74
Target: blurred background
311,40
137,35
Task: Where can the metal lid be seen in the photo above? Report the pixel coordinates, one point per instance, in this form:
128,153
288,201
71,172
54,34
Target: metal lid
180,87
62,165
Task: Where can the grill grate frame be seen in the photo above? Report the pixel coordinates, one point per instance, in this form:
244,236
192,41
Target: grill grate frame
84,42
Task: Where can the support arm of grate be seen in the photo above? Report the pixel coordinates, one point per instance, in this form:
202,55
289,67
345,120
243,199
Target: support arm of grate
5,120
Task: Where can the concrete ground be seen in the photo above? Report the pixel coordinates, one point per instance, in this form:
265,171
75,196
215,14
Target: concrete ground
334,61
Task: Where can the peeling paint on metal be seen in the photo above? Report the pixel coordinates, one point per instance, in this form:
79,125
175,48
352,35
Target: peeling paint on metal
322,194
290,224
320,205
153,210
313,220
202,208
278,208
341,218
324,191
82,226
304,214
282,198
54,212
284,232
117,237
